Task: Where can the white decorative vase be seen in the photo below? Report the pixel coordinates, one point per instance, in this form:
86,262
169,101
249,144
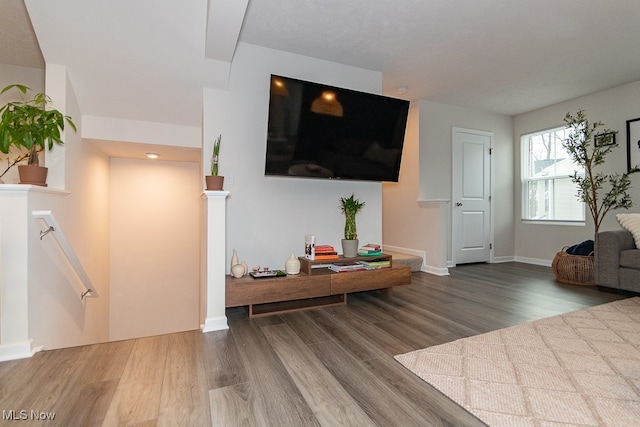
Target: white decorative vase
246,269
292,265
234,259
237,271
349,248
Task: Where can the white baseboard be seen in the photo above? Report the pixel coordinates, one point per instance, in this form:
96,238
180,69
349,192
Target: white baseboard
499,259
215,324
435,270
535,261
21,350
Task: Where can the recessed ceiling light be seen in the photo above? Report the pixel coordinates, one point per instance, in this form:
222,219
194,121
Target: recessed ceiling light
401,90
152,155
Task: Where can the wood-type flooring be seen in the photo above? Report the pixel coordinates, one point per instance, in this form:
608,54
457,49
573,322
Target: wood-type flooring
321,367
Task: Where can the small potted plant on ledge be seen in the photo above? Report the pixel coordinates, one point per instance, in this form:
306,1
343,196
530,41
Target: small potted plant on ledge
214,181
28,124
350,206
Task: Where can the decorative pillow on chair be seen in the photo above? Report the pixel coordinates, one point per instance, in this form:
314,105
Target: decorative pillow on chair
631,223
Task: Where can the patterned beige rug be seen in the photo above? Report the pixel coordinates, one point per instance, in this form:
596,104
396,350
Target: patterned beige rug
576,369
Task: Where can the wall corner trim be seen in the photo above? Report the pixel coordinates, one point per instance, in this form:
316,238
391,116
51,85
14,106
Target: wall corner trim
215,324
20,350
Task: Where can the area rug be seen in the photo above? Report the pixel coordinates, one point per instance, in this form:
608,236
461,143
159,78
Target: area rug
577,369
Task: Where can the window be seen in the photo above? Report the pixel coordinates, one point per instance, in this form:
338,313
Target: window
547,190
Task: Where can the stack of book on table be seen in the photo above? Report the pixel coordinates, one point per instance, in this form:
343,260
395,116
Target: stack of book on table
374,265
325,252
370,249
341,267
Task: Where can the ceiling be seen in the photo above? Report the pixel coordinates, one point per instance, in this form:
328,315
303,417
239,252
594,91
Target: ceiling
146,60
19,44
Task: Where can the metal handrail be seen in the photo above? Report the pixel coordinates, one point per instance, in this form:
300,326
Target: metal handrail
54,228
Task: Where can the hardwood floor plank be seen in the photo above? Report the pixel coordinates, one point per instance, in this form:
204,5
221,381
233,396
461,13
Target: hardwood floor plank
237,405
223,365
330,403
440,321
378,337
358,346
380,403
97,382
137,397
275,391
305,327
61,365
185,397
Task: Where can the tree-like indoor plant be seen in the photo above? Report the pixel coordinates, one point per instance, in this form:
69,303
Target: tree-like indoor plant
581,145
214,181
28,124
350,206
588,147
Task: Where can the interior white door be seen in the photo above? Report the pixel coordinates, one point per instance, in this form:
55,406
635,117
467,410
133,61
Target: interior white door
471,207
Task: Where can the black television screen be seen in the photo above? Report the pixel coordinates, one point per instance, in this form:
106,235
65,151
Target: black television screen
320,131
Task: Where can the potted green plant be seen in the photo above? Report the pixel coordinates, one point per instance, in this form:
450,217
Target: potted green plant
579,145
30,125
350,206
588,147
214,181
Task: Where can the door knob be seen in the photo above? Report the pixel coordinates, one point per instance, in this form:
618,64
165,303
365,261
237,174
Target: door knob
459,204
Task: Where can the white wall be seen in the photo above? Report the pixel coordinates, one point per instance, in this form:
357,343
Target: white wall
426,204
539,243
155,251
267,217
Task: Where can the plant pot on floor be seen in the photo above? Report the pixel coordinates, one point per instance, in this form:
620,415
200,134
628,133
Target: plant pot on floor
214,182
349,248
32,174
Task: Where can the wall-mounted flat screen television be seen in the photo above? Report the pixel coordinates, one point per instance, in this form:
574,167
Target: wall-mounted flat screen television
320,131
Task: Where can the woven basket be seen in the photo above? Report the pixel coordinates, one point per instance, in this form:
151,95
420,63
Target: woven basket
573,269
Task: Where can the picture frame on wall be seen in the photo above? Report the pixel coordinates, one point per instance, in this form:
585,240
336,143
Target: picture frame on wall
602,139
633,143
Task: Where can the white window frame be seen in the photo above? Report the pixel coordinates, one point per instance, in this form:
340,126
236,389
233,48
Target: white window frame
553,179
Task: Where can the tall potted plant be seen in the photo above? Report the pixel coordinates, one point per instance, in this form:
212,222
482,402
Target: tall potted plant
30,125
579,145
350,206
214,181
588,147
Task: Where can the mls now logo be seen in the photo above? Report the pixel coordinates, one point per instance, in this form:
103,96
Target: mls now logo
13,415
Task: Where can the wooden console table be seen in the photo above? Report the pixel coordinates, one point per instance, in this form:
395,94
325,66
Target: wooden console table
315,286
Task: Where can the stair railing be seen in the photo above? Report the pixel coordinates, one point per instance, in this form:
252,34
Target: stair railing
56,231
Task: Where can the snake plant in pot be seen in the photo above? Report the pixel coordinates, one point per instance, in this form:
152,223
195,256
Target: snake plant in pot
350,206
29,125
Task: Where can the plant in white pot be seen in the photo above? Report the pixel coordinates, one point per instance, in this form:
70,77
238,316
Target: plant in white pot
350,206
214,181
28,124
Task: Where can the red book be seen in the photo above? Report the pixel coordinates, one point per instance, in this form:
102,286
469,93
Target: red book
325,257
